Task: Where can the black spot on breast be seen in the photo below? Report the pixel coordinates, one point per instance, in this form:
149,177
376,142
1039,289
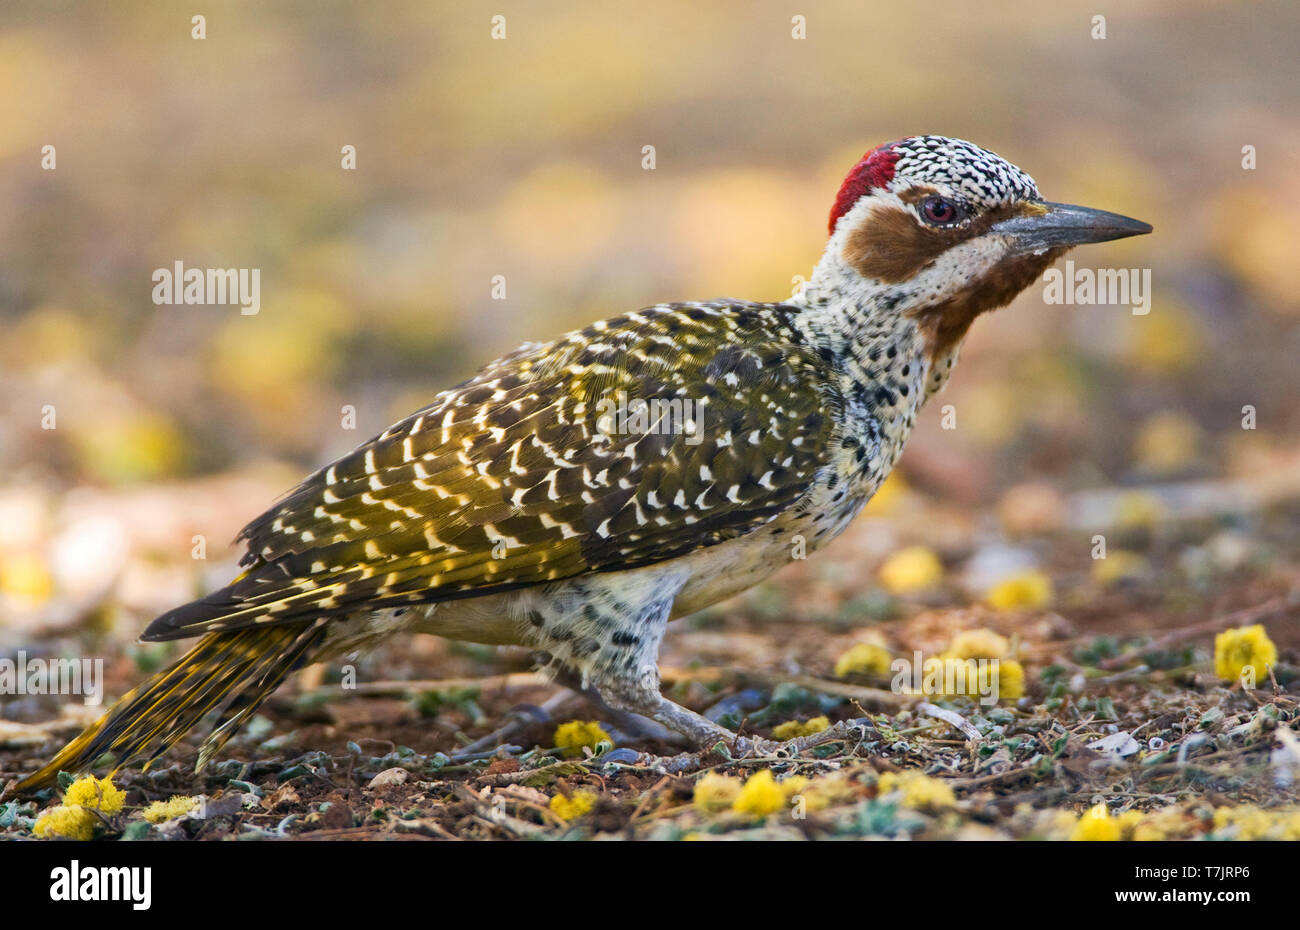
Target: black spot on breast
889,301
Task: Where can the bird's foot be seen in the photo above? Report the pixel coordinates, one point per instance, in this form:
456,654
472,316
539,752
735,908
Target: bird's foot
639,697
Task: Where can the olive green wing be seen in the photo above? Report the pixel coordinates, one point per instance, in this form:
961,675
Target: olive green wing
542,467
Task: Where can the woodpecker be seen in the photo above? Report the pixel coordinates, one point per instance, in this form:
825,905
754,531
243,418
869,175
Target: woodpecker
508,511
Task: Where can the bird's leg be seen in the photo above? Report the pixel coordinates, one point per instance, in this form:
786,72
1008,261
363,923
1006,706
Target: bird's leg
607,631
640,695
631,723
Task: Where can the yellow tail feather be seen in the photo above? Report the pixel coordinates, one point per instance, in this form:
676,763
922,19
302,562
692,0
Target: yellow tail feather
236,671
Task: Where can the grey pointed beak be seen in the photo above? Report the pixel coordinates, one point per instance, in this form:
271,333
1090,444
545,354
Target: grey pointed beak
1062,225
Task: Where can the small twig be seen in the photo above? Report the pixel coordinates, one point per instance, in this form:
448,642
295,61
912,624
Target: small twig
878,698
980,781
425,826
645,797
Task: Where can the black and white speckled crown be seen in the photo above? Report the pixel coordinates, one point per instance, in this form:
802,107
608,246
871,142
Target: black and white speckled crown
963,168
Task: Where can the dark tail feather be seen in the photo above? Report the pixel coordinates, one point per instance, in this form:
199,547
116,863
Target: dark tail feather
239,670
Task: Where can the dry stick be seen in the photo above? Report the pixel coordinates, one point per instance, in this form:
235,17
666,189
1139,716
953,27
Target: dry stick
546,813
645,798
879,697
1173,638
492,818
425,827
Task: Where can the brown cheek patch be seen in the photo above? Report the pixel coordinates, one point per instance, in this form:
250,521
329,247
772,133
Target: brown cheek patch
943,325
893,246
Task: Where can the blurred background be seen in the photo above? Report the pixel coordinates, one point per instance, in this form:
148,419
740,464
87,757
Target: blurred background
523,158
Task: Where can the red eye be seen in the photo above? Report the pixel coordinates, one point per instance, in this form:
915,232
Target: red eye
940,211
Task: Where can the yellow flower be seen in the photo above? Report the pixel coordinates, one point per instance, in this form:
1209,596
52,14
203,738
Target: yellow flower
795,784
795,728
1166,342
716,792
25,577
1149,833
760,796
1010,676
98,794
1056,824
978,644
1166,442
817,793
1119,565
66,822
170,809
1128,823
574,735
863,659
1096,823
919,791
1246,647
1026,591
912,569
950,677
575,805
1164,824
1248,822
1138,509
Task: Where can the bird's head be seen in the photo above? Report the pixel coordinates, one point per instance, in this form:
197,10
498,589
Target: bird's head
940,230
